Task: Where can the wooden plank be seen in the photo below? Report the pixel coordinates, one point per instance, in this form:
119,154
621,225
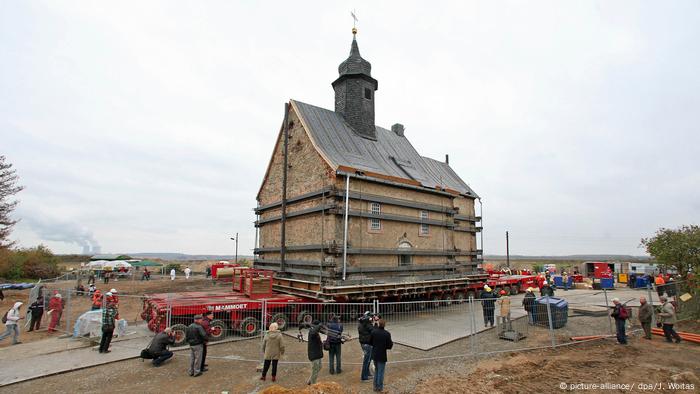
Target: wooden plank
307,196
393,217
396,201
300,263
300,212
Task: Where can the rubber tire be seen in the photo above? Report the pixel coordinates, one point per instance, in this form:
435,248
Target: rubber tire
514,290
448,299
245,323
220,326
180,334
305,317
471,294
460,297
279,316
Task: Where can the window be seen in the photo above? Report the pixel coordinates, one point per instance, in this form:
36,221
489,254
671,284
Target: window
424,228
405,259
368,94
375,209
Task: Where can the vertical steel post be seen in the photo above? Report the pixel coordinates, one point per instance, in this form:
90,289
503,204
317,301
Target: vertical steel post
607,310
236,260
481,215
168,314
551,323
283,235
507,251
649,300
345,233
472,321
263,319
68,303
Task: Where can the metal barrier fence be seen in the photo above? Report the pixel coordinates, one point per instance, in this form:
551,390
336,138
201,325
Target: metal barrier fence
444,328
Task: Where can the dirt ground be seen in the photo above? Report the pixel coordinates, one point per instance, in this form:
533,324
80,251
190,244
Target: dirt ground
130,302
538,371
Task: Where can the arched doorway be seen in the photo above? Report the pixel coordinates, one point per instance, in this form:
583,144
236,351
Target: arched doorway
405,259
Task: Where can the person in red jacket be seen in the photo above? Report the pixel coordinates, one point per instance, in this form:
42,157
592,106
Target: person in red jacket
55,310
97,300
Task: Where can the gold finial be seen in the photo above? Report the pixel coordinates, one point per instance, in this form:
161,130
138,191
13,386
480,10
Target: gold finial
354,20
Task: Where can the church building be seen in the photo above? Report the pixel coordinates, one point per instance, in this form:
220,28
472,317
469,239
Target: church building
345,202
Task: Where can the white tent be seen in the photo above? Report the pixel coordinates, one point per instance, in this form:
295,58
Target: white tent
117,264
97,264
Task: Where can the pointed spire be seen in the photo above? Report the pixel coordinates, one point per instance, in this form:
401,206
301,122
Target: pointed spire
355,64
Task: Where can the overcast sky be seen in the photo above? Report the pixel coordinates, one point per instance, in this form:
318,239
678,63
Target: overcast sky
146,126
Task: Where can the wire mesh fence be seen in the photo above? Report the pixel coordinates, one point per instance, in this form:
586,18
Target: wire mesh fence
436,328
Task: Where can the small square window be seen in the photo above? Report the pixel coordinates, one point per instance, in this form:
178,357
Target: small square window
424,228
368,94
375,209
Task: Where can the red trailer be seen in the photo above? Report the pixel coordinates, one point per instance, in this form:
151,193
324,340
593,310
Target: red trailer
513,284
235,312
221,271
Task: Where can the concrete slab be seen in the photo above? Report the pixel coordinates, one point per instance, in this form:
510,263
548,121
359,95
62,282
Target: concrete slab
61,355
429,329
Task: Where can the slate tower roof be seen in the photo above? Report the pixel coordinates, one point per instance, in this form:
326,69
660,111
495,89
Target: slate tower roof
354,92
389,156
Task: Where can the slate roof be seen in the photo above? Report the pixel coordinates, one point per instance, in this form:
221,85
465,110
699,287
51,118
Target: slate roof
390,154
355,64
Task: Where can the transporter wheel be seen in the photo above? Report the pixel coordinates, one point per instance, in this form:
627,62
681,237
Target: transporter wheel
448,299
471,294
305,317
218,330
179,334
281,319
459,298
250,326
514,290
435,301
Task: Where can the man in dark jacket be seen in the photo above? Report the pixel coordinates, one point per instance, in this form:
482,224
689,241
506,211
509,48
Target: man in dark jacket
645,314
315,350
488,305
380,339
529,305
159,347
206,323
37,310
109,317
619,313
546,290
335,332
196,336
364,331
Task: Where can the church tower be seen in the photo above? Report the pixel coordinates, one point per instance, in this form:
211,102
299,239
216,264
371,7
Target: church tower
354,92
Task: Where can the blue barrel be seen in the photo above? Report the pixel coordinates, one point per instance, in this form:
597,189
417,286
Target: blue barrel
559,308
642,281
607,283
559,282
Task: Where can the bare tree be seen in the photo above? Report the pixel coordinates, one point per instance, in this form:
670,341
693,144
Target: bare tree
8,188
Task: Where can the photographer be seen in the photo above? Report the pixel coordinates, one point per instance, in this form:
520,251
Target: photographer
159,347
315,350
335,340
364,331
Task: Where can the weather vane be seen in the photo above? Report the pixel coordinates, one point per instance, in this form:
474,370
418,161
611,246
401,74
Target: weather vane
354,20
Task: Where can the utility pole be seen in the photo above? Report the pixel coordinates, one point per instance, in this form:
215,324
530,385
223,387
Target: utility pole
507,251
236,239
